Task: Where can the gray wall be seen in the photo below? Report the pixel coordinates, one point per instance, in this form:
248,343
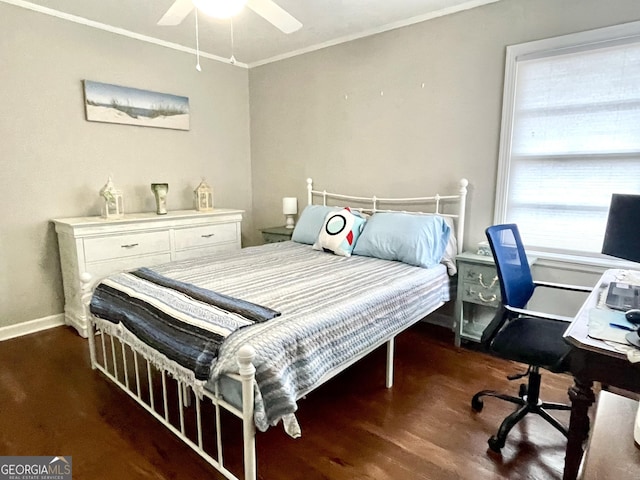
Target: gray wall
410,140
53,162
255,136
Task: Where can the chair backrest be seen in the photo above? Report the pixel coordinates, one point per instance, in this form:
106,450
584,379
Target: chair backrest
514,274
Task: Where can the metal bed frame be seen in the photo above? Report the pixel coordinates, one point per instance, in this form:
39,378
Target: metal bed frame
138,375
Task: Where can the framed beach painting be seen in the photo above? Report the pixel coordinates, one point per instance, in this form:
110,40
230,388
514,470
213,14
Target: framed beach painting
131,106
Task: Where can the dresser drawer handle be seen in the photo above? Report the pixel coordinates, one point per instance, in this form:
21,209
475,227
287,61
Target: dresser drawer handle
490,286
492,298
208,235
129,245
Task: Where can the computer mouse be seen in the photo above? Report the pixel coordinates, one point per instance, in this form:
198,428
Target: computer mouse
633,316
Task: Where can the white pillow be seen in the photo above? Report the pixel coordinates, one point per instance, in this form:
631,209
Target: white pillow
339,232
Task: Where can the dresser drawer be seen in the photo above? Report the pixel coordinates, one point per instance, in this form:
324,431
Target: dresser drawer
204,251
205,236
102,269
128,245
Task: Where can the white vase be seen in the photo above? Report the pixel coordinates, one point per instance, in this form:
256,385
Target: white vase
160,191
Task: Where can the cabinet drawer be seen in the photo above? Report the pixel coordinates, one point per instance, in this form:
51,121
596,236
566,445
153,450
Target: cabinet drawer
483,275
274,237
475,293
480,285
204,236
129,245
201,252
102,269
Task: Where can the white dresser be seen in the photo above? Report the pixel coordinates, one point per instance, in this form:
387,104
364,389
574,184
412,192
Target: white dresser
100,247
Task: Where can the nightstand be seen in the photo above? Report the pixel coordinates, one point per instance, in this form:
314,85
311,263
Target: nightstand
276,234
478,295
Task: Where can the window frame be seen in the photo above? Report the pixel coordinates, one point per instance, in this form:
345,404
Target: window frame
549,47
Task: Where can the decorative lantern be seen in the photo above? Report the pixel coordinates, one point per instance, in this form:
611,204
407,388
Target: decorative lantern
203,195
112,206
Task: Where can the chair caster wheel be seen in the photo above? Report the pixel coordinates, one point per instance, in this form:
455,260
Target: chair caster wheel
523,390
495,444
477,404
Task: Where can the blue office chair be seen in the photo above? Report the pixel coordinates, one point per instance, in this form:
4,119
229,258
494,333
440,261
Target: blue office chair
522,335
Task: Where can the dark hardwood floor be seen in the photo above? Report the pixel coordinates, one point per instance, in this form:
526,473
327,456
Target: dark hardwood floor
52,403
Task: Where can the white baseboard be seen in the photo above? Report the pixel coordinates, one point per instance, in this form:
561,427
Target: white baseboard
32,326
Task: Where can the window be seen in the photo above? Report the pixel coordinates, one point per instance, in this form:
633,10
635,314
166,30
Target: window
570,136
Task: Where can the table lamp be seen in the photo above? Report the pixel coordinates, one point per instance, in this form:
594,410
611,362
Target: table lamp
289,208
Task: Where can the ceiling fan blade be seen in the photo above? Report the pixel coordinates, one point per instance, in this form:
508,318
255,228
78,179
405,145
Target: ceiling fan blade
274,14
176,13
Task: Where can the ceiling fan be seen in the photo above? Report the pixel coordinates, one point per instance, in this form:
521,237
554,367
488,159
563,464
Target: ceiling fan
267,9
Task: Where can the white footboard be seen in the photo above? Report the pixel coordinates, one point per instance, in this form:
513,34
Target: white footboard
174,402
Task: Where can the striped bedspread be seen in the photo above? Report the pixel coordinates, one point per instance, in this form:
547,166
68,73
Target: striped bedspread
332,308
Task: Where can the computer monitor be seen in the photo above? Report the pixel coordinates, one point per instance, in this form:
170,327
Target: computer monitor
622,235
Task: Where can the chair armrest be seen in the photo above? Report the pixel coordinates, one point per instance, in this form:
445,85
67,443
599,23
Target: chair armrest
533,313
563,286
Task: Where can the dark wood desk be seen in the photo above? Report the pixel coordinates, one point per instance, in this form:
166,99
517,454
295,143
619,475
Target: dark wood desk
612,453
591,361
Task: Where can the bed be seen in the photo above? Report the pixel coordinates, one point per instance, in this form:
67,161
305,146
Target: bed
253,331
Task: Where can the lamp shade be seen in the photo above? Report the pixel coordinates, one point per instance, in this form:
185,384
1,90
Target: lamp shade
289,205
622,235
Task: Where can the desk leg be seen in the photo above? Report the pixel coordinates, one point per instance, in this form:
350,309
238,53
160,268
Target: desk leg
582,398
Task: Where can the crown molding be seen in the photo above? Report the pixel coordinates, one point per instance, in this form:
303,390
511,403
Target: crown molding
374,31
118,31
181,48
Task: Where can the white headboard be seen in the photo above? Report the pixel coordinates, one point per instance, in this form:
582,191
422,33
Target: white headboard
433,204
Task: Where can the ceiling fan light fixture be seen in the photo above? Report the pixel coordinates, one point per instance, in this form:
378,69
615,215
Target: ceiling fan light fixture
220,8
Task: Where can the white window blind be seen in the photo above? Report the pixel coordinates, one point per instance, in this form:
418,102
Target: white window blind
571,139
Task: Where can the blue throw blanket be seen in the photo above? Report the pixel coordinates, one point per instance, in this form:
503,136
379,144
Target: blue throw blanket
184,322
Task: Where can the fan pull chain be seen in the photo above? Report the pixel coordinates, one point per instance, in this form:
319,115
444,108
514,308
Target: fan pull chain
232,60
198,68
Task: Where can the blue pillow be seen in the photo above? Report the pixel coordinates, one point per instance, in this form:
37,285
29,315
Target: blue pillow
310,223
340,232
419,240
